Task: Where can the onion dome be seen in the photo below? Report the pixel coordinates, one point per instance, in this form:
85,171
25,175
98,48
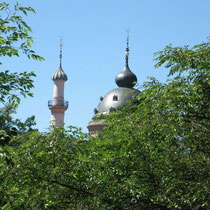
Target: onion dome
60,74
126,78
117,97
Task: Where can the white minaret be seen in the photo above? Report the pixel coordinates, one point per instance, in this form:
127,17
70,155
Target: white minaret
58,105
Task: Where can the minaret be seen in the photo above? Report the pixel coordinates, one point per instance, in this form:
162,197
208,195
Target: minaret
58,105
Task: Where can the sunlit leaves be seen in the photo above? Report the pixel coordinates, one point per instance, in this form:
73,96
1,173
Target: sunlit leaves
13,83
153,153
161,144
15,39
15,32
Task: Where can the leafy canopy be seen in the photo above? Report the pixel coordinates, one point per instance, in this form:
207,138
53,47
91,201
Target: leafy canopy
15,39
154,153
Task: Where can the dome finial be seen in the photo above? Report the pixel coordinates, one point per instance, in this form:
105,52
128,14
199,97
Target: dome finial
126,78
60,74
127,48
60,56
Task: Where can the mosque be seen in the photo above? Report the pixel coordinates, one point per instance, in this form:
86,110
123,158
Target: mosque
125,80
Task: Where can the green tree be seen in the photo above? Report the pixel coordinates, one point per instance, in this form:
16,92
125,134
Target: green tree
15,39
154,153
7,121
157,153
11,126
44,173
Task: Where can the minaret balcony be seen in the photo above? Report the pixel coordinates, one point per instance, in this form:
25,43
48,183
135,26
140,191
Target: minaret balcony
58,103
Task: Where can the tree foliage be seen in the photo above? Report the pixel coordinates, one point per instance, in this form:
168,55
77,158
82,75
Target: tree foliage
15,39
45,173
154,153
13,126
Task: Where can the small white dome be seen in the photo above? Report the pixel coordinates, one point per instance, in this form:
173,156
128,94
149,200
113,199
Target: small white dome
59,75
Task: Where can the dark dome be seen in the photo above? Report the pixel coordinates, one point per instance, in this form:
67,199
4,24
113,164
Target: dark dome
59,74
126,78
115,98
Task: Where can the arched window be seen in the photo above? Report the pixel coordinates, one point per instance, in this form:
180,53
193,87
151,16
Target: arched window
115,98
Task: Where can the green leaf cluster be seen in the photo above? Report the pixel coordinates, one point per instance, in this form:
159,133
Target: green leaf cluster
15,39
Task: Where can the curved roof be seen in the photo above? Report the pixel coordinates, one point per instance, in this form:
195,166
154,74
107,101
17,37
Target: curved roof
126,78
114,99
59,74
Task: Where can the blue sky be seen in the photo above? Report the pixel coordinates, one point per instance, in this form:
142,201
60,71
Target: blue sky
94,37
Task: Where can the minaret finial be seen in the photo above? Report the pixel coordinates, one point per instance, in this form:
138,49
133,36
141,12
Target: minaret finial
127,48
60,56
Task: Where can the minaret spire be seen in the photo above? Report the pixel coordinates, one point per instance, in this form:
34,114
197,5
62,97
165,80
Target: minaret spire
60,74
61,51
127,49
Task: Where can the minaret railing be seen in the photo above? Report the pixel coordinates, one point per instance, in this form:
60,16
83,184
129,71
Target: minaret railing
60,103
